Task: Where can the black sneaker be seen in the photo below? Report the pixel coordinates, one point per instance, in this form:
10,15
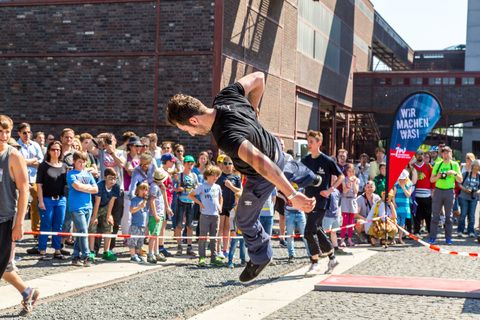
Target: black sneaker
33,250
341,252
251,271
65,252
283,243
166,253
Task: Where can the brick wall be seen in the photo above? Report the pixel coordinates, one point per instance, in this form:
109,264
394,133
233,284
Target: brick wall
92,66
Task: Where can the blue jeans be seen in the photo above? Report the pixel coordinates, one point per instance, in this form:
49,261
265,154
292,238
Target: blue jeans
267,224
233,247
467,207
295,219
51,219
81,220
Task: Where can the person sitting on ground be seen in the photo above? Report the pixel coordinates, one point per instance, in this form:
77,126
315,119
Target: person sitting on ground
158,209
333,220
102,219
139,211
402,191
210,204
377,228
365,202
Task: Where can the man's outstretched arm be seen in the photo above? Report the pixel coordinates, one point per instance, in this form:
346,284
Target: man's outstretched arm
254,85
270,171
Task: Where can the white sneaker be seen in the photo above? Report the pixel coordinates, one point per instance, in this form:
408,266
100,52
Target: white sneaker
459,235
313,271
471,235
331,265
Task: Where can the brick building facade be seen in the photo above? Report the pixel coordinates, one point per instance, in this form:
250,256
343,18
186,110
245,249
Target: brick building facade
111,65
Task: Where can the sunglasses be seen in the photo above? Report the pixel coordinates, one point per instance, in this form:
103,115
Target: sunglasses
26,132
55,150
180,151
227,163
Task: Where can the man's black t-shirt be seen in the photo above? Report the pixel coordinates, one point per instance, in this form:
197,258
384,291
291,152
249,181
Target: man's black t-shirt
236,122
325,167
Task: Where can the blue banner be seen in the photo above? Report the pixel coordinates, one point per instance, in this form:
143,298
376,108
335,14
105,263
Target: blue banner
415,118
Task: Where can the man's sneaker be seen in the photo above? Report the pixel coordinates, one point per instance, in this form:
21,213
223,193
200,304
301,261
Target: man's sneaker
77,262
220,255
341,243
230,265
331,265
109,256
459,235
190,252
472,235
327,253
317,181
160,257
136,259
290,259
91,256
313,271
33,250
283,243
252,270
217,262
201,262
65,252
449,241
431,240
29,302
166,253
151,259
243,263
86,262
341,252
179,250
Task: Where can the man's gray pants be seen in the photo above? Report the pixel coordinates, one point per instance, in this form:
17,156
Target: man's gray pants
442,198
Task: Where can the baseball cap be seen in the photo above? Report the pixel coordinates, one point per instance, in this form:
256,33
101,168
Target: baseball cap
134,141
188,158
160,175
404,174
168,157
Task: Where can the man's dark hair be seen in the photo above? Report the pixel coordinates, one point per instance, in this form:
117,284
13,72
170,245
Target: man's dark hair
181,108
22,126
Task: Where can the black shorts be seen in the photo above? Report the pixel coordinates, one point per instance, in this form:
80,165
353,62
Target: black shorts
280,206
226,212
5,245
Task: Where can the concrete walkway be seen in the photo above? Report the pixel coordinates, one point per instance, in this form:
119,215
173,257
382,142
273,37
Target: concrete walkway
80,278
261,302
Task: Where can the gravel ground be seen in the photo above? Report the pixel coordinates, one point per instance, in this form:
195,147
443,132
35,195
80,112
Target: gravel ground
185,290
411,260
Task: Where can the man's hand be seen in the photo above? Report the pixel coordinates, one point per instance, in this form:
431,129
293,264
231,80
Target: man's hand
41,206
169,212
17,233
303,203
326,193
110,219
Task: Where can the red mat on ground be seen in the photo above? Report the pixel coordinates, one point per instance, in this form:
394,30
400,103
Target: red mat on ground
402,285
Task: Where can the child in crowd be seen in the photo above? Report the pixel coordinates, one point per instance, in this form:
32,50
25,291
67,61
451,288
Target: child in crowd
210,204
381,180
139,211
294,219
348,203
402,191
102,219
333,220
231,185
158,206
377,229
168,164
266,215
235,232
81,185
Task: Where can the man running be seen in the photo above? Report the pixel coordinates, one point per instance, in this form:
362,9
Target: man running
13,207
255,152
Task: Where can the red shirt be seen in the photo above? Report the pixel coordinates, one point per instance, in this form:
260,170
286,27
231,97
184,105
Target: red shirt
423,187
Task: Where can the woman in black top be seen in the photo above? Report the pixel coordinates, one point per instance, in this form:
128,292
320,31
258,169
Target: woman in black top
51,183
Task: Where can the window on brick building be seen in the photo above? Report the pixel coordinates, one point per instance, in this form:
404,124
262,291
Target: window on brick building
468,81
435,81
417,81
398,81
448,81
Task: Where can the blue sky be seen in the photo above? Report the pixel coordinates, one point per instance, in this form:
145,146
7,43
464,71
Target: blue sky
426,24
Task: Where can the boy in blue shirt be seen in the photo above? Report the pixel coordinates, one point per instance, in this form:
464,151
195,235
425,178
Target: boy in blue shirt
139,211
81,185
